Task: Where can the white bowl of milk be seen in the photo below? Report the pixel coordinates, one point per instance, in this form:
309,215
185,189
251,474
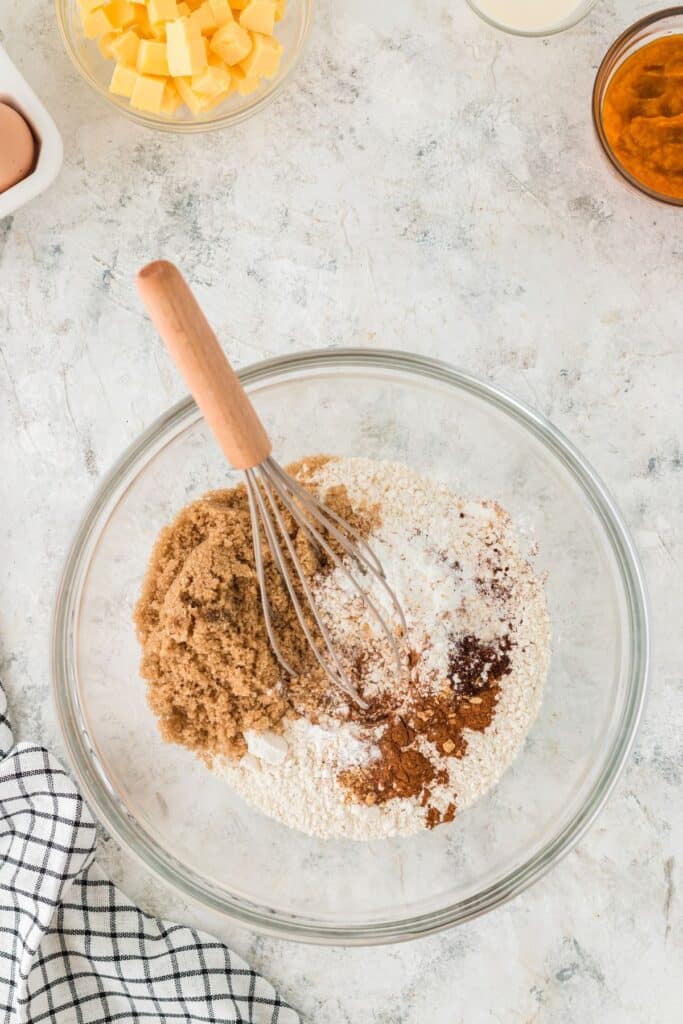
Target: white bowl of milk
532,17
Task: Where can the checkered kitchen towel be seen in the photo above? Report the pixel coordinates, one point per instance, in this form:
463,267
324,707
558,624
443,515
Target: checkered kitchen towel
73,949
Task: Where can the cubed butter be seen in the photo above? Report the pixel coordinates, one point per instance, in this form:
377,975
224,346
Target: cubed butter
172,99
264,57
123,81
209,102
259,16
162,10
124,48
185,52
214,60
197,52
120,13
242,83
157,31
214,81
96,24
151,58
203,20
105,44
148,93
188,95
222,12
142,24
88,6
231,43
182,30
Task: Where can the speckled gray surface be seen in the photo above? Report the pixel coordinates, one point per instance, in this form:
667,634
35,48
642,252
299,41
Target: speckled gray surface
428,184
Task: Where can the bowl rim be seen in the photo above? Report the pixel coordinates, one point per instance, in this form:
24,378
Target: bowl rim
118,821
582,11
609,63
189,127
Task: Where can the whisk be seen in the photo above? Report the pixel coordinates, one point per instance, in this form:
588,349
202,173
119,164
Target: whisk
271,491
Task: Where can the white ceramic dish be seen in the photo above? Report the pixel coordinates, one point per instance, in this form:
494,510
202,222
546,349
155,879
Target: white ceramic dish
522,20
15,90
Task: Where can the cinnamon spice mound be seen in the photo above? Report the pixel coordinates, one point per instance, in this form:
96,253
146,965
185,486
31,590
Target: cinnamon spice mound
402,768
210,669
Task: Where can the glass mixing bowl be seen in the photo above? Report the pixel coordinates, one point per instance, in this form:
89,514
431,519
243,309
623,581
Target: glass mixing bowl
292,32
188,827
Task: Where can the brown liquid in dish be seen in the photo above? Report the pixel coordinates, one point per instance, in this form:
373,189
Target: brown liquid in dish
642,115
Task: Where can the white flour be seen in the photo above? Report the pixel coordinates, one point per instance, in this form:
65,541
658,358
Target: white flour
443,557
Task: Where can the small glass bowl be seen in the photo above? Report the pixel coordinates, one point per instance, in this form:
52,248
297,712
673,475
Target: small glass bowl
292,32
653,26
577,15
186,825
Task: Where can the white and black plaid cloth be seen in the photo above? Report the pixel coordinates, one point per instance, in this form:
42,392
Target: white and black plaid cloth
73,948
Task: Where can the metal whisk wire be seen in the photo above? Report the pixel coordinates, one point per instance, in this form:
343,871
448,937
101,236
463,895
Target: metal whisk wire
272,492
267,484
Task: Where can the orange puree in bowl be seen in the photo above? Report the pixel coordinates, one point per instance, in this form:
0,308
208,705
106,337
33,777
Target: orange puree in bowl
642,115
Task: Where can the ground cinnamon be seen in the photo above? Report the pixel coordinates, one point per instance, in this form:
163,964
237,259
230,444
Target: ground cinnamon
402,768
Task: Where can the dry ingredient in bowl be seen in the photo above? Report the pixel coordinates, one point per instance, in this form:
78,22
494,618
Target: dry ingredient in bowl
192,52
476,654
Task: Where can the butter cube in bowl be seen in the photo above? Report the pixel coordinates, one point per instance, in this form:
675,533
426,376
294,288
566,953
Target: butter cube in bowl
185,65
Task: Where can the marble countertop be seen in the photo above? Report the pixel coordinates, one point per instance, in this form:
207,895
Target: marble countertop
425,183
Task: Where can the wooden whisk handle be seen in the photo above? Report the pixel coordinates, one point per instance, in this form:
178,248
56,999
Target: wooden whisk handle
195,350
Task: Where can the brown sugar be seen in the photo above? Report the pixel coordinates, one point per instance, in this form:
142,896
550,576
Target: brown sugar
211,673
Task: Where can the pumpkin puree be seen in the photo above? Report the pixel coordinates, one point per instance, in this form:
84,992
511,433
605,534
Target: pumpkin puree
642,115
